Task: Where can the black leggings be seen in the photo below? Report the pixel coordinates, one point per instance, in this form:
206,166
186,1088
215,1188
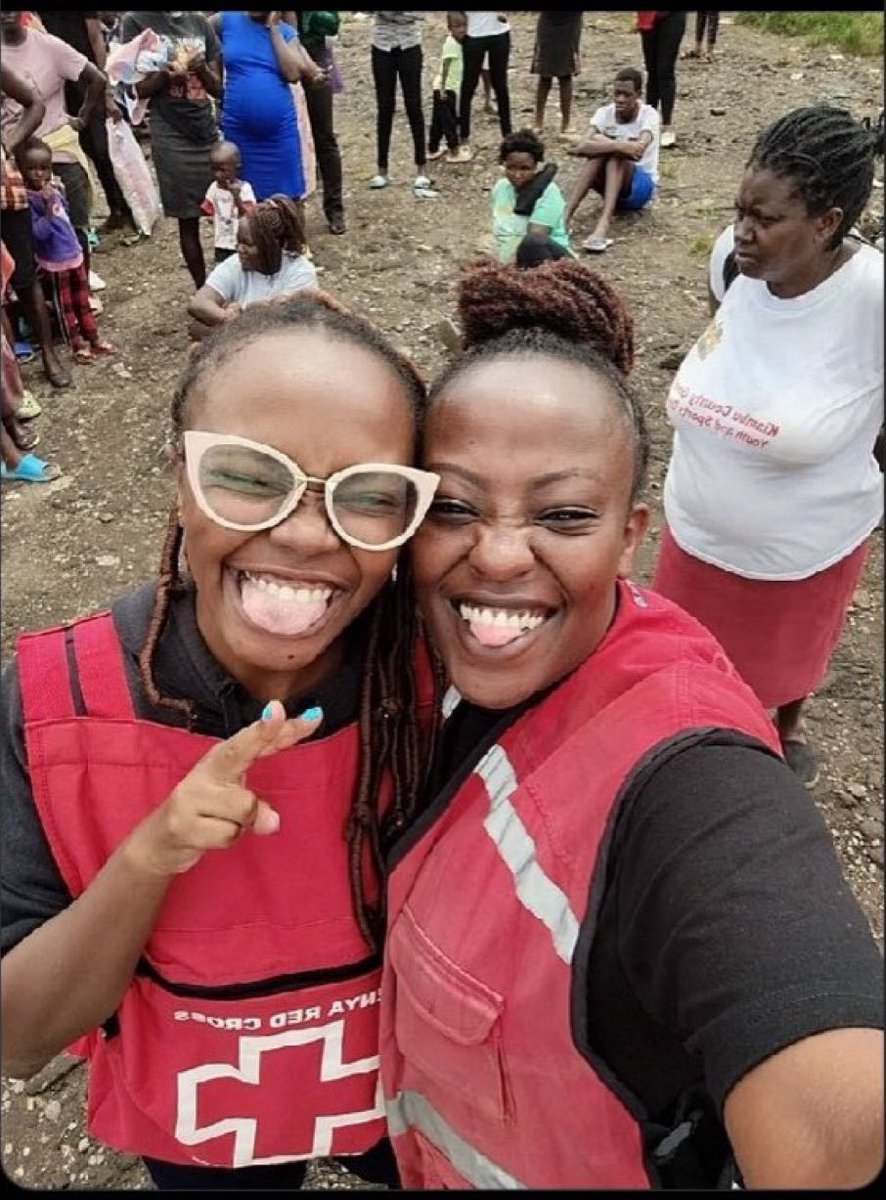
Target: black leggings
661,45
386,66
376,1166
474,50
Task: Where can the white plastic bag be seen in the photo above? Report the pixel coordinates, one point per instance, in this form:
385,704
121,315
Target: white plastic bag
133,175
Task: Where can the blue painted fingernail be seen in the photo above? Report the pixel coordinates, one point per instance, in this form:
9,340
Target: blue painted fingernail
312,714
268,711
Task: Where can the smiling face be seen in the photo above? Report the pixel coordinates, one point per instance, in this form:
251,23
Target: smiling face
531,526
776,239
272,605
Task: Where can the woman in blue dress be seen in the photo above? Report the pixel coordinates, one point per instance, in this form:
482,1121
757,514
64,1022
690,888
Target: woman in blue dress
261,62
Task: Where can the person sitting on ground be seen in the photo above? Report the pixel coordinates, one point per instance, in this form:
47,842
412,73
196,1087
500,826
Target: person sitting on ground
526,203
447,86
58,251
228,198
622,150
270,261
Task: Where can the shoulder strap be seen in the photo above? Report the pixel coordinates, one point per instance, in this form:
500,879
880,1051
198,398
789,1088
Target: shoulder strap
47,689
730,270
100,668
43,676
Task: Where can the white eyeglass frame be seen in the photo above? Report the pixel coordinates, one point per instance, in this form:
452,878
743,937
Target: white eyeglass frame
197,442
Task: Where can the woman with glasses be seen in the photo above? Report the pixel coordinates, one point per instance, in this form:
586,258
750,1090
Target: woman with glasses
200,782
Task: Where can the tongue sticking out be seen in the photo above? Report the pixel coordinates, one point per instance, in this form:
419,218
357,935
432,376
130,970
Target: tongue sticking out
276,614
494,635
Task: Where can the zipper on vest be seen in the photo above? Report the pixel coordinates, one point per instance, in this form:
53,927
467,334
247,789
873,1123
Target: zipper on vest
261,987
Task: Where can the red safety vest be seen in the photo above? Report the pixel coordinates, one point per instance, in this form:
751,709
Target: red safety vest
483,1083
250,1031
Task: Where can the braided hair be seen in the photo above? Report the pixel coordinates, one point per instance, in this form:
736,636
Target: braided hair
561,308
827,155
388,730
276,224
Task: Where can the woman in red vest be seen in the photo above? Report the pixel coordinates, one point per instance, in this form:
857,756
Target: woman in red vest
198,783
620,949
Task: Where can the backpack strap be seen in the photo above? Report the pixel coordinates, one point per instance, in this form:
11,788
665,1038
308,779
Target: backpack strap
730,270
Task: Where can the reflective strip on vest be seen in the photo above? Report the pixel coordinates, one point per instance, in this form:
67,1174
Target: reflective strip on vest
535,891
411,1110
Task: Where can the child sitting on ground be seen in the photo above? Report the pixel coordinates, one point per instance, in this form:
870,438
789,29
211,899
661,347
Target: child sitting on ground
228,198
447,85
270,261
528,209
58,252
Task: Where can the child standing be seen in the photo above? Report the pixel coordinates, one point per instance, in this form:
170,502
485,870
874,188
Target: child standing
447,85
58,252
227,199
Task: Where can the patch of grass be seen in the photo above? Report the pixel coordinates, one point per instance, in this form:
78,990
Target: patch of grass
701,247
852,32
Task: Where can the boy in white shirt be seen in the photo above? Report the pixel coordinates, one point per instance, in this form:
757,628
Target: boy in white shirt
227,198
622,147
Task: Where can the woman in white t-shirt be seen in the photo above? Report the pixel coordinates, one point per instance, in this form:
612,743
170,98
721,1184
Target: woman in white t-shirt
489,33
773,489
270,261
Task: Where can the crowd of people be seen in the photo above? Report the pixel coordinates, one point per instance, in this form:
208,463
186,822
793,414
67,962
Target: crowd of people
393,822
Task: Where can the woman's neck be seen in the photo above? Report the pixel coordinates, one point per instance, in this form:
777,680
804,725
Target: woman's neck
816,273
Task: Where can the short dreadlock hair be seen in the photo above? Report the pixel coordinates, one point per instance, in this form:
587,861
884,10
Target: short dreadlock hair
826,155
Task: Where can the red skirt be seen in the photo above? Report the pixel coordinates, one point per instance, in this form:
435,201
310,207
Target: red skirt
780,634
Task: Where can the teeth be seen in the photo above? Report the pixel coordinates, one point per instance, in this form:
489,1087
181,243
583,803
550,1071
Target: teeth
500,617
283,591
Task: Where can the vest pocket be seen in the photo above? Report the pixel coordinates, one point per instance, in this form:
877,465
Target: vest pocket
448,1024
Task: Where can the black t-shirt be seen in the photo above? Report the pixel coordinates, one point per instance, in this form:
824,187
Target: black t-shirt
724,930
184,104
31,888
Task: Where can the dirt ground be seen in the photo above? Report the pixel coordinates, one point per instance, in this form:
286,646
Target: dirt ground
71,546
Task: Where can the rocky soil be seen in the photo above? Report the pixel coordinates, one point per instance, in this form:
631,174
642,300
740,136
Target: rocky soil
70,546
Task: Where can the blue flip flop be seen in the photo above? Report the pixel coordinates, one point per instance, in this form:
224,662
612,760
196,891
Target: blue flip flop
31,469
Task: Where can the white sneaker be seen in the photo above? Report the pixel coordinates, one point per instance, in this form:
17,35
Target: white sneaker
379,181
96,283
668,139
422,182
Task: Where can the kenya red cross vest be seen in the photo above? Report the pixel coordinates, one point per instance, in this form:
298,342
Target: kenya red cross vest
483,1083
249,1034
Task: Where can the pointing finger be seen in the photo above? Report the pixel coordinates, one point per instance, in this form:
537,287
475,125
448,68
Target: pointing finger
227,761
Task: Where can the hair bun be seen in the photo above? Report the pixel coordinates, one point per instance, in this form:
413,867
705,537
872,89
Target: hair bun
562,297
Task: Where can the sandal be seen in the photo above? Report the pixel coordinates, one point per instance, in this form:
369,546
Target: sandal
596,243
801,760
28,408
131,239
24,438
83,355
102,347
31,469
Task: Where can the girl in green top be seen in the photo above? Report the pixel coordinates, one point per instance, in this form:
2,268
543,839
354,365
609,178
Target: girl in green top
528,208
